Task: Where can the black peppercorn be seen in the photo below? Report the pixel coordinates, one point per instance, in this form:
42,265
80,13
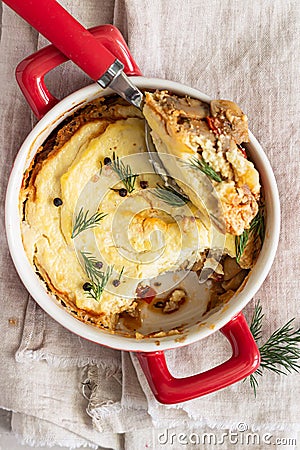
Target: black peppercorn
122,192
107,160
99,265
87,287
144,184
116,283
159,304
57,201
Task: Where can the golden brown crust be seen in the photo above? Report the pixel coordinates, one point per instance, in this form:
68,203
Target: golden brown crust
232,119
103,112
106,109
193,129
239,207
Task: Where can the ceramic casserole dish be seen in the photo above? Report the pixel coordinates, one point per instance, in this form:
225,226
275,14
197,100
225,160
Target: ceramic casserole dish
192,327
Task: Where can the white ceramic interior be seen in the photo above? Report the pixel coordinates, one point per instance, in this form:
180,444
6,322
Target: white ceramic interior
193,331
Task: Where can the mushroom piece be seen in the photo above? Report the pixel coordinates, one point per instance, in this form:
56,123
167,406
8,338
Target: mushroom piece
235,282
229,111
216,299
173,302
211,269
251,252
224,298
231,268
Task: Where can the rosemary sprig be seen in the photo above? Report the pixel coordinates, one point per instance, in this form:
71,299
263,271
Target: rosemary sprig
98,285
169,195
92,266
281,352
82,222
124,172
257,228
204,167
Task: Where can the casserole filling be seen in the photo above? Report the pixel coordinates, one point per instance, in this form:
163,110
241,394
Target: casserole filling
99,226
211,136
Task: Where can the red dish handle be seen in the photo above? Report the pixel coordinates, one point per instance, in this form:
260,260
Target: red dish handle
245,360
69,36
31,71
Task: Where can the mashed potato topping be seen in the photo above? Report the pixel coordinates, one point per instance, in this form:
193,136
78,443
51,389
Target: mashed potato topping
94,260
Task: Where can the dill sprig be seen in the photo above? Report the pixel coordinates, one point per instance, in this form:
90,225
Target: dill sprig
82,222
280,353
240,244
98,285
98,278
204,167
121,273
92,266
124,172
169,195
256,322
257,228
258,224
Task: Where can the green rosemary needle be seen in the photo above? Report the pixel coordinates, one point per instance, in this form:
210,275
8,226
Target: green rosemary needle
82,222
169,195
257,228
280,353
204,167
124,172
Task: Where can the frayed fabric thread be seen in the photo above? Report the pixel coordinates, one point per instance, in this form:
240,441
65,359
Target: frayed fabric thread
109,366
106,410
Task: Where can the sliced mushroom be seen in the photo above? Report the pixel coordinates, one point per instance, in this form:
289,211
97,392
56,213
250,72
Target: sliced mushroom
224,298
173,302
218,299
231,268
251,252
235,282
211,269
214,300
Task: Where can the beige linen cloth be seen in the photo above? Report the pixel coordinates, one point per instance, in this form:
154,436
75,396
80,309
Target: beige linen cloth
67,391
